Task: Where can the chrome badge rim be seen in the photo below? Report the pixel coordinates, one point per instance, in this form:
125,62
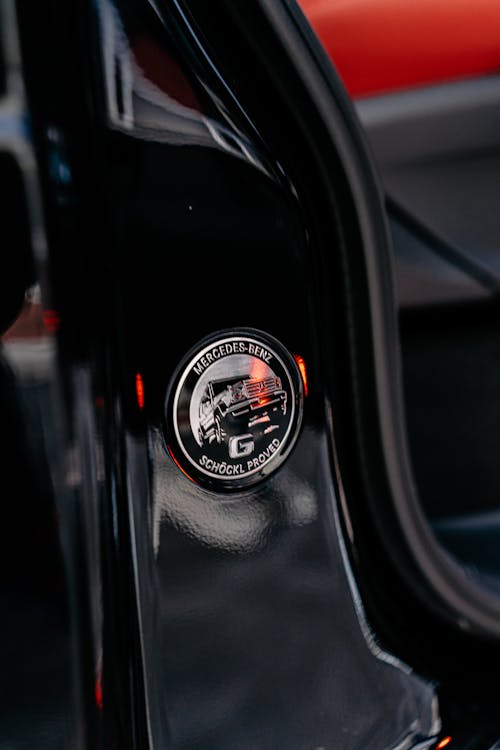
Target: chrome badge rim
233,409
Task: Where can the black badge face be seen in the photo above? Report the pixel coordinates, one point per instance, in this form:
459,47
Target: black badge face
234,409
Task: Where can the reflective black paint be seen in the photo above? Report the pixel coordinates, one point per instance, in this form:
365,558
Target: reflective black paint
198,621
254,637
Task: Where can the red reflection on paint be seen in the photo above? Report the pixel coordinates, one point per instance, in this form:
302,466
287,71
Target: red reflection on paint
98,692
163,71
171,454
444,743
303,372
51,320
139,390
28,325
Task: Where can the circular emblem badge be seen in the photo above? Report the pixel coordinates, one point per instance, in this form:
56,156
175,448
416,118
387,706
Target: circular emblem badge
233,409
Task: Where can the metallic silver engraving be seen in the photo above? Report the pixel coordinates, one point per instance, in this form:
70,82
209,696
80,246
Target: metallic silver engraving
234,408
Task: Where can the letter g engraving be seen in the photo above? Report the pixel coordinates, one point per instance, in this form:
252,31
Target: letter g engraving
240,445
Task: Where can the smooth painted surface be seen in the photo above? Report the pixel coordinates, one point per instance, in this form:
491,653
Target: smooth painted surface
197,622
254,635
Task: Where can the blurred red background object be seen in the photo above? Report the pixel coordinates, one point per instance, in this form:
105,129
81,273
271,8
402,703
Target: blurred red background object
380,46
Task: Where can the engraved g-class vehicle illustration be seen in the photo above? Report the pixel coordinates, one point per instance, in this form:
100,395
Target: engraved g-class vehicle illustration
239,405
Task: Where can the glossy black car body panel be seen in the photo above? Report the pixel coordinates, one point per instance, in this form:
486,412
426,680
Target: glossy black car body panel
182,197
